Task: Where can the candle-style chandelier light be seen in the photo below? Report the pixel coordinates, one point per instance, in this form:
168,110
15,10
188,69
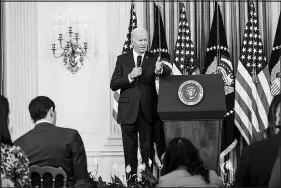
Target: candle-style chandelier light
72,51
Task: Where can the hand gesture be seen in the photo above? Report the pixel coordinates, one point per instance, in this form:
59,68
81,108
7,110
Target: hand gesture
158,66
136,72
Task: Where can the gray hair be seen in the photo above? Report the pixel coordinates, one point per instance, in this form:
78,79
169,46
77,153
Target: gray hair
137,30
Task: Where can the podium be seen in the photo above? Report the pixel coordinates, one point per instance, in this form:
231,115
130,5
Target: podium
200,123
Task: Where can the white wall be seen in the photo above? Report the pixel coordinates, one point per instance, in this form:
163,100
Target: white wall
82,100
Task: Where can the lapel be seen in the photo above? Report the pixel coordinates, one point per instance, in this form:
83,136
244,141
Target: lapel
130,60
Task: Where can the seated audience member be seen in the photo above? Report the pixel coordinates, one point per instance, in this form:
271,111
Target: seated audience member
85,183
275,178
256,162
183,167
49,145
14,162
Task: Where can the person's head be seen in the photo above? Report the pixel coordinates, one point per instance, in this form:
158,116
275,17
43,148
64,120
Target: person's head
181,153
274,116
139,40
5,136
42,107
85,183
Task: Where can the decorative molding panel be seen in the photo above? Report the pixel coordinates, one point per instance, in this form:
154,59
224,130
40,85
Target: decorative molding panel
21,63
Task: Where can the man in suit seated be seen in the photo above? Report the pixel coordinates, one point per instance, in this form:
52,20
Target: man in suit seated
49,145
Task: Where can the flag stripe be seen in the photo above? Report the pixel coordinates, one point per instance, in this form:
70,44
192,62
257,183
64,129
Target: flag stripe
244,124
114,114
176,71
245,110
275,86
242,127
244,95
117,95
266,88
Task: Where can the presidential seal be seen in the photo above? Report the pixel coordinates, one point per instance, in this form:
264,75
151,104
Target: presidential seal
190,92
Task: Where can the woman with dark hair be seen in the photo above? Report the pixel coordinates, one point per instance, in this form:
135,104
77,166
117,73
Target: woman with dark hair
14,162
183,167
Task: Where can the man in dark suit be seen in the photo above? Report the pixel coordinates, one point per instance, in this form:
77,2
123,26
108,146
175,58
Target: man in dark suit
49,145
134,74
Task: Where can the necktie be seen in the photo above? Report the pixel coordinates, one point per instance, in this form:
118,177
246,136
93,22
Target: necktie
139,60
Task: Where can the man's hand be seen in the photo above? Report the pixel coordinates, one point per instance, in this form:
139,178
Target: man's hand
158,66
136,72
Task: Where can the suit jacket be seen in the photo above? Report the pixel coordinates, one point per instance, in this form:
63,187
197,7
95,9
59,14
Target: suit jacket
49,145
275,178
140,91
256,162
181,178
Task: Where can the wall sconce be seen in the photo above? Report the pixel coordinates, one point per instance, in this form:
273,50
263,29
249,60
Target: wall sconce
73,53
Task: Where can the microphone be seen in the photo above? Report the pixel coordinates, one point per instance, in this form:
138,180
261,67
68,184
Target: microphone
139,63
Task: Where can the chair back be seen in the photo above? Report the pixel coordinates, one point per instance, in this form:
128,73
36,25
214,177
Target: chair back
48,169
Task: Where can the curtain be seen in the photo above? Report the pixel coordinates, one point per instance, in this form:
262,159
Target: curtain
2,50
200,16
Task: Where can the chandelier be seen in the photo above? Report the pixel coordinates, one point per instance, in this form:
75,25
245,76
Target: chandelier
71,50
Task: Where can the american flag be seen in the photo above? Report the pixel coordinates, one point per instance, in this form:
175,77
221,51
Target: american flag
252,91
185,61
126,48
274,63
159,46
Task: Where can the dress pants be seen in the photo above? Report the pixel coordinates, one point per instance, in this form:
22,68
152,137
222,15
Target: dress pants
130,143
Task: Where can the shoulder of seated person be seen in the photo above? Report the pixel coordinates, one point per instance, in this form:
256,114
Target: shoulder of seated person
69,130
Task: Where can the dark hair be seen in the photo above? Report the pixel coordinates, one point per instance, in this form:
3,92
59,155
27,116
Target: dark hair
276,102
180,152
5,136
85,183
39,107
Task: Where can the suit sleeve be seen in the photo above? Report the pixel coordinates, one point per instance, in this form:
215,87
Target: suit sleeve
118,79
242,173
166,71
79,158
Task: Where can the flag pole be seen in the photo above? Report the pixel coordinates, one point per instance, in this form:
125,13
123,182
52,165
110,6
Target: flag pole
159,30
218,37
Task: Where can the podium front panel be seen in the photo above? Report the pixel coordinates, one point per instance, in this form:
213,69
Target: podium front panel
211,107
